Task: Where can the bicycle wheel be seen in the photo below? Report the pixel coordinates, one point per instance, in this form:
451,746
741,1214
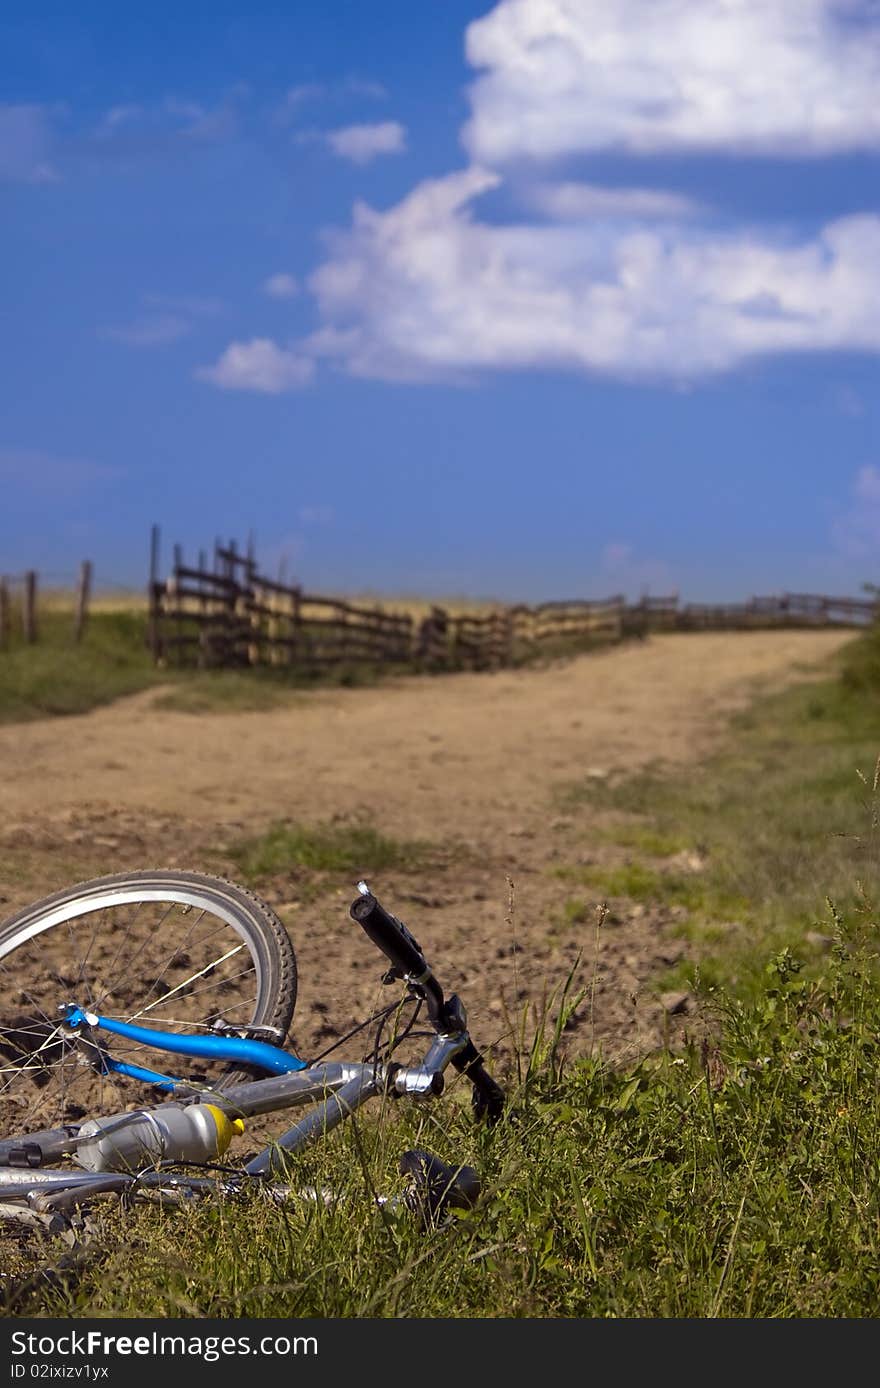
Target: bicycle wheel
178,951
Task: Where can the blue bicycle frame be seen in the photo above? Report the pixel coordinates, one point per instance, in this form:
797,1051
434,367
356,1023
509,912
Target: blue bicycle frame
234,1049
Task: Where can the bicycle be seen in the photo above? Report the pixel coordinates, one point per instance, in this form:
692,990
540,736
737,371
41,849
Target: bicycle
95,979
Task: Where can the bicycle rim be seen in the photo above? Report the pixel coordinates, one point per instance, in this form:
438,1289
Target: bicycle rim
178,952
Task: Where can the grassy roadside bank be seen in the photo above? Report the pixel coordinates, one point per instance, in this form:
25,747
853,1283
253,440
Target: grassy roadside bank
57,676
754,843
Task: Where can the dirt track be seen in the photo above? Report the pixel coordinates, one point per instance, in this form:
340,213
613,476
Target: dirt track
470,763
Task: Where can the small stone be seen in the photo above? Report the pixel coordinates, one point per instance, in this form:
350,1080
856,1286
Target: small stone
675,1003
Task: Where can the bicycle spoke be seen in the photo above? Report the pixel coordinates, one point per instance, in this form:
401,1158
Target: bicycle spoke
201,973
121,947
148,939
180,949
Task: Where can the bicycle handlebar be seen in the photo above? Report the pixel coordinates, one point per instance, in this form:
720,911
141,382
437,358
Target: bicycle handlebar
390,935
399,946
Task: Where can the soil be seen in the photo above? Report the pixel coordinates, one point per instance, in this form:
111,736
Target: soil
474,765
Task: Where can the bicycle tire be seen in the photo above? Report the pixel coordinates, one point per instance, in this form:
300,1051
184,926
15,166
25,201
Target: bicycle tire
97,944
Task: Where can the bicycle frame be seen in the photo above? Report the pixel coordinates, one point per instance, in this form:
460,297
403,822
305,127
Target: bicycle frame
235,1049
336,1089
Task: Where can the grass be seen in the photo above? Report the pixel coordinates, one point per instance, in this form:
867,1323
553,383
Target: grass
781,818
57,675
347,849
734,1176
737,1179
225,691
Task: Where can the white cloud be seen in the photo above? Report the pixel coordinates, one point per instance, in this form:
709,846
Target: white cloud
561,77
425,291
579,202
151,330
134,131
360,86
856,533
296,97
281,286
170,317
849,402
25,144
361,143
259,365
307,93
189,305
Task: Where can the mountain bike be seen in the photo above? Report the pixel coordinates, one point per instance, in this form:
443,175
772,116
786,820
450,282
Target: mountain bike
98,979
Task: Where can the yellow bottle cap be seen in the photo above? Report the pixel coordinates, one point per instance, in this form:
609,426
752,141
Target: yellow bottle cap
227,1128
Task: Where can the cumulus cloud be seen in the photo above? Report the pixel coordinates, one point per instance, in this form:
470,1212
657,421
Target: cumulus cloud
427,289
580,202
362,143
281,286
561,77
259,365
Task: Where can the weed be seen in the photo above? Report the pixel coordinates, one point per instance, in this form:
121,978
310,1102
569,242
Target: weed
347,849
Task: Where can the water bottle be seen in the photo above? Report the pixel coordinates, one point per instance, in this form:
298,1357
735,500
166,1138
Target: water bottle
156,1136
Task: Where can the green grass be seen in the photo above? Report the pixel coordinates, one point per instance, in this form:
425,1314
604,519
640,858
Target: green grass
645,840
783,817
57,675
736,1175
326,848
225,691
736,1179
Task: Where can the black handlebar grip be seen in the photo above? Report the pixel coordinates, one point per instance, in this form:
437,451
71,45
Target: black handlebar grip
488,1096
391,936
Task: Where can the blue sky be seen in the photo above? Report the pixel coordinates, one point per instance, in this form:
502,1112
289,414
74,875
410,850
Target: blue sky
550,298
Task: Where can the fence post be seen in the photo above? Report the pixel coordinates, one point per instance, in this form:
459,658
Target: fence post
4,614
82,599
153,597
29,610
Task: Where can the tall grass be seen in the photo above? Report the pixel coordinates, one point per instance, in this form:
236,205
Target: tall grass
738,1178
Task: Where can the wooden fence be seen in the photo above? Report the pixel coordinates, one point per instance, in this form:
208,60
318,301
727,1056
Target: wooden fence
226,613
21,596
778,610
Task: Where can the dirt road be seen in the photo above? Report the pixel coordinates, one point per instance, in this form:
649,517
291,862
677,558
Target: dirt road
470,763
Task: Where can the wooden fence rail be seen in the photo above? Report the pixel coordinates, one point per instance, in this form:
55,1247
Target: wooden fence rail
226,613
